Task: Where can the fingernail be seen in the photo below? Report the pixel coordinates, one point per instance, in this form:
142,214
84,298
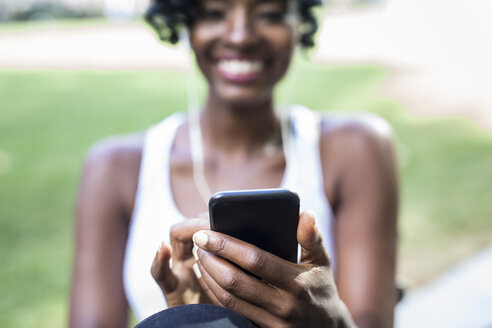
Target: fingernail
195,252
197,272
200,238
311,214
160,246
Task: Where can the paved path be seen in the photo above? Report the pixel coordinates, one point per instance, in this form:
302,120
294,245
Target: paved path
116,46
440,52
460,298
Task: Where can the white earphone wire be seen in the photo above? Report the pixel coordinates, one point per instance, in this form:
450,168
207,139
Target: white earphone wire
195,131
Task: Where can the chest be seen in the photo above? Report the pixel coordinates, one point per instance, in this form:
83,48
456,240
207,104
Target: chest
254,172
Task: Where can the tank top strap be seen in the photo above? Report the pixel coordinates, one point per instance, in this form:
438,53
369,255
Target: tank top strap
157,148
304,166
304,173
152,218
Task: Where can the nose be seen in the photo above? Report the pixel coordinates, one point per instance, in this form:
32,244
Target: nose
240,32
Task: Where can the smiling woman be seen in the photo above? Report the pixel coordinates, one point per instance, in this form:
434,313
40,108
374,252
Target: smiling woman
139,190
243,50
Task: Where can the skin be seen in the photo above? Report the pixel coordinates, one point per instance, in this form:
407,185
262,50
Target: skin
359,177
287,295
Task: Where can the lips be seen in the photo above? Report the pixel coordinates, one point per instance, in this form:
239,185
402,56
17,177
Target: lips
240,70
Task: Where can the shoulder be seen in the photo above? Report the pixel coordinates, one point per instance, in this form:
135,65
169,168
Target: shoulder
360,127
115,151
355,136
112,167
355,148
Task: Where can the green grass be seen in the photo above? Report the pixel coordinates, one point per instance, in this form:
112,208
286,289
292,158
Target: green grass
49,119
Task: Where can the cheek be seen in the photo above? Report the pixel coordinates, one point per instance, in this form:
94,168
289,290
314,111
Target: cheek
282,40
202,36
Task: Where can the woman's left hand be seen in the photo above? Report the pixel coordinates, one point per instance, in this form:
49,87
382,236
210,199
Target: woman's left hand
288,294
178,282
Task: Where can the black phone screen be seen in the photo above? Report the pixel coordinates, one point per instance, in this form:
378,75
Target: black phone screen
266,218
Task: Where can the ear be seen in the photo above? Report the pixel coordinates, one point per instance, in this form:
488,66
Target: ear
294,20
185,38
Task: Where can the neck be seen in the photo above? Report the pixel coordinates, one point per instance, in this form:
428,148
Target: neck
231,128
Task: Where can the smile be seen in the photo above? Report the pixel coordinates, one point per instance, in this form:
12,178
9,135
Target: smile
240,69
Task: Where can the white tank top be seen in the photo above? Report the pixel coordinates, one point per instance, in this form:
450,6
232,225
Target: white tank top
155,210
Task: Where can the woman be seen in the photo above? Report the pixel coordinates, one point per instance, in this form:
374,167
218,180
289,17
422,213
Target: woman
136,190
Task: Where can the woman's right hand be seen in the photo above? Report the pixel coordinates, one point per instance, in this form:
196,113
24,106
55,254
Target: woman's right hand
178,282
279,293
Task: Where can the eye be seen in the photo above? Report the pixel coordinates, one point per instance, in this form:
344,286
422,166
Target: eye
212,14
274,16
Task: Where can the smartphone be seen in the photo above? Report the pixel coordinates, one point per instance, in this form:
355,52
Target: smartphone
266,218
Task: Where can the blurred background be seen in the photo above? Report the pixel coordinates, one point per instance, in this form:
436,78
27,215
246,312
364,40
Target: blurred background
75,71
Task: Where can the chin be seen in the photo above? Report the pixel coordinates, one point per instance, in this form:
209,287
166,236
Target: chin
244,96
244,100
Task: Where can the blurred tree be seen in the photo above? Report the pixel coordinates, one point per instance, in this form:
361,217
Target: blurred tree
53,9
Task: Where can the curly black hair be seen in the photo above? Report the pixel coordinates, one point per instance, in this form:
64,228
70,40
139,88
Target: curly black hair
167,17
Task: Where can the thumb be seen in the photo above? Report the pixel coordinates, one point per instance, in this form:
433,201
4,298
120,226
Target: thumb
161,271
312,249
181,237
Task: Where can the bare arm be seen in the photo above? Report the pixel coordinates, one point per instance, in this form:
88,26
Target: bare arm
366,203
104,206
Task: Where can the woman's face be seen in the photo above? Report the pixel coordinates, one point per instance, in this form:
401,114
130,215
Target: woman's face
244,47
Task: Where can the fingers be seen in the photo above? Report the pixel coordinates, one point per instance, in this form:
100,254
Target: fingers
203,285
226,299
213,299
181,237
161,272
271,268
236,282
313,251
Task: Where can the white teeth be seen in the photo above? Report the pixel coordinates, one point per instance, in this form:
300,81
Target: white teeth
235,66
